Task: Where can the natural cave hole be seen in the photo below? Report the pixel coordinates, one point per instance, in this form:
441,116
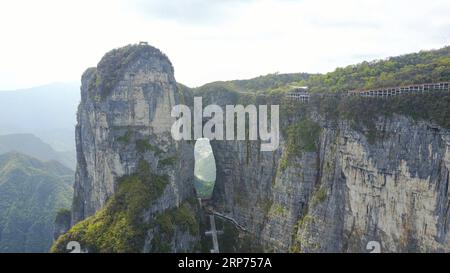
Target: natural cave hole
205,168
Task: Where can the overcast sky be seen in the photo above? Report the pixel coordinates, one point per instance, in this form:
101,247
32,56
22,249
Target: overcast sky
207,40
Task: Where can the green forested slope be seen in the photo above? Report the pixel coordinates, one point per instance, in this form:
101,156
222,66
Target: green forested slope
421,67
31,193
29,144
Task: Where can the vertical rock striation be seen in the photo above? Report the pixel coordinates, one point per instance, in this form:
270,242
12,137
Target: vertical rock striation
330,187
125,151
343,191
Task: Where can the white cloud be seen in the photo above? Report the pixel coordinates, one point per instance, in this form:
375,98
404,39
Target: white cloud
53,40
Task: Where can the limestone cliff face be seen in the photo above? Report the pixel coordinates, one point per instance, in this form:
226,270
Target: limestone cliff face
347,192
330,187
124,119
395,190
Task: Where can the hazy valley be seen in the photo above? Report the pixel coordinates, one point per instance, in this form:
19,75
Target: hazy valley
349,170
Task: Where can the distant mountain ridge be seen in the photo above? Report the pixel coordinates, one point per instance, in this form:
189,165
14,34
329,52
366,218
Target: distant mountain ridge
31,193
47,111
31,145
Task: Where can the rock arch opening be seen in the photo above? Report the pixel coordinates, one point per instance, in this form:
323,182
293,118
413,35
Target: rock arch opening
205,168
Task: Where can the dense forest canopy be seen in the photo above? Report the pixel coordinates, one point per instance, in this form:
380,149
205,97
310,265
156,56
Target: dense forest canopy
31,193
261,84
269,82
422,67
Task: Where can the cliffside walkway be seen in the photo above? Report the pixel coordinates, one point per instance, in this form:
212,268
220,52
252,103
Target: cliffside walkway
206,204
228,218
213,233
400,90
384,93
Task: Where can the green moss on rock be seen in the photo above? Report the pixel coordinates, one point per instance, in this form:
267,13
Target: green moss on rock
299,238
319,196
119,226
183,218
143,146
113,66
126,138
301,137
63,216
170,161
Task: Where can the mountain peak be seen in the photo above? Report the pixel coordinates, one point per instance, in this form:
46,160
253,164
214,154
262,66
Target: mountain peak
133,61
15,160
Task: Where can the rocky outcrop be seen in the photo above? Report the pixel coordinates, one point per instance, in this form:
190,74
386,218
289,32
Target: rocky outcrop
62,223
124,144
344,194
332,186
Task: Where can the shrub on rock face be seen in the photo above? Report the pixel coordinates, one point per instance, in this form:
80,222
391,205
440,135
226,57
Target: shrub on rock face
301,137
119,226
112,67
182,218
